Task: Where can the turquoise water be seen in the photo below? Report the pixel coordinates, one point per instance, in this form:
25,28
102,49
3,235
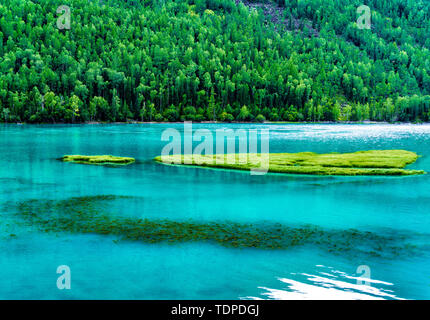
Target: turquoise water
394,208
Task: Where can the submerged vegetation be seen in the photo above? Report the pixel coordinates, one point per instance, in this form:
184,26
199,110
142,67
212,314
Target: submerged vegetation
217,60
373,162
98,160
90,215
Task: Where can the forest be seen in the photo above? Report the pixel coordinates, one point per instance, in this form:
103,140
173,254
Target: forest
214,60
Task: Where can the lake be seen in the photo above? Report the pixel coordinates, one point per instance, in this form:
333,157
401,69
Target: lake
376,225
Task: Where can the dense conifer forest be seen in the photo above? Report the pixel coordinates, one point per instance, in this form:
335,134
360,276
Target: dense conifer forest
214,60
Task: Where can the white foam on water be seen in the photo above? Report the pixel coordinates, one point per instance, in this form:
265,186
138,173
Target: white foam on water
328,286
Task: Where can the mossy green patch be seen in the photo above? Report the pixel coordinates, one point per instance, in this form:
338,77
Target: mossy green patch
91,215
98,160
373,162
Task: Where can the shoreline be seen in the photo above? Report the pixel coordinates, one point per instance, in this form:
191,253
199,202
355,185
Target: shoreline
214,122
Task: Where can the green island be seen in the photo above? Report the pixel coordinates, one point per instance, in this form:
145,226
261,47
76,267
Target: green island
360,163
98,160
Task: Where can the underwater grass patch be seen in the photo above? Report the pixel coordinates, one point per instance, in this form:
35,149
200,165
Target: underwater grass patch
98,160
372,162
90,215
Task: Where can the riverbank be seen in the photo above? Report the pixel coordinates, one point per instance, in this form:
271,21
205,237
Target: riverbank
218,122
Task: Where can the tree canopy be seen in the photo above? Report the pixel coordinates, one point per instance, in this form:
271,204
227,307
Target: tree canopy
219,60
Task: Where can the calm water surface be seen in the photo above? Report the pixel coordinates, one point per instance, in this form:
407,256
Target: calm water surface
394,208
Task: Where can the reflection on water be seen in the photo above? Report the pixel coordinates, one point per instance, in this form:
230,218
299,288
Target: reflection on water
329,285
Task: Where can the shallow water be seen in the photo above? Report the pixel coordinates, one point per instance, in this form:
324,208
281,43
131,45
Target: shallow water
392,211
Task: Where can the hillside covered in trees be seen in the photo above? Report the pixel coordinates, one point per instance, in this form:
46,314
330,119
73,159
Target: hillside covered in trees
214,60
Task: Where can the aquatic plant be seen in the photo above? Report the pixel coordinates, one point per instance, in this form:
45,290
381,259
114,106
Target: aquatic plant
98,160
90,215
372,162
